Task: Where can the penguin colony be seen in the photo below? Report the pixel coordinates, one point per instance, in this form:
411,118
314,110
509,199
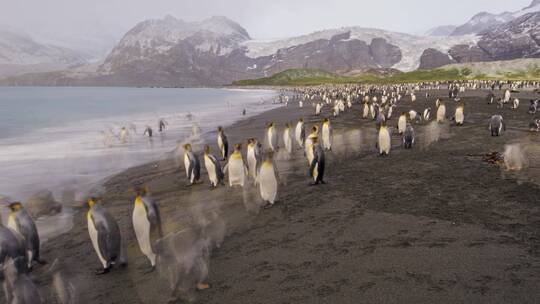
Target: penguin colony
19,239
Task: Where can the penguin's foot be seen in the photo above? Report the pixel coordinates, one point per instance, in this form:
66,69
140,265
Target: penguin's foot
202,286
150,270
102,271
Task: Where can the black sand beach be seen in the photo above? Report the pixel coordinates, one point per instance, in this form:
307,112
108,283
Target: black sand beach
435,224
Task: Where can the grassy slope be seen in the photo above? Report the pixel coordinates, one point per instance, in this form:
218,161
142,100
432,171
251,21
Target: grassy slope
301,77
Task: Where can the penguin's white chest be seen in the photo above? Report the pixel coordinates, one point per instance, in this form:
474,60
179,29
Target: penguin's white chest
92,231
366,111
211,169
141,225
287,140
220,142
441,113
252,162
236,172
460,117
12,223
267,183
186,163
402,124
384,141
298,133
326,137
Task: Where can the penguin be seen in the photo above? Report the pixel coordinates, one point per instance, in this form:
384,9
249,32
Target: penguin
507,96
317,165
402,123
459,115
300,133
271,137
496,125
267,180
13,246
213,167
437,103
327,134
365,113
287,139
223,144
441,112
427,114
300,104
533,106
192,165
384,141
236,168
408,137
318,107
534,126
20,221
254,153
105,236
18,287
413,115
515,104
123,135
309,144
147,224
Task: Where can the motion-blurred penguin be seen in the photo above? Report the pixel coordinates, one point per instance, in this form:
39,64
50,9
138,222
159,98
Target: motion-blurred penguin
20,221
192,165
213,167
147,224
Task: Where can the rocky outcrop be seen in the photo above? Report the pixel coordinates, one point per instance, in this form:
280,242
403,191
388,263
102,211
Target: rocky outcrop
519,38
384,53
432,58
42,203
464,53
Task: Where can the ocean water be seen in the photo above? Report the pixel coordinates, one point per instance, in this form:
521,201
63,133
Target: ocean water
68,138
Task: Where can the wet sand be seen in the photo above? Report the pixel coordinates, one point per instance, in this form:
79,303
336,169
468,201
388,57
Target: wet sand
434,224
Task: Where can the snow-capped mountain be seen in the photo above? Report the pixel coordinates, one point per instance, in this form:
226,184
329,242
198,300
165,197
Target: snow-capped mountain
20,53
443,30
484,20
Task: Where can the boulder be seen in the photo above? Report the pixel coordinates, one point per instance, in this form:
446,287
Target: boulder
42,203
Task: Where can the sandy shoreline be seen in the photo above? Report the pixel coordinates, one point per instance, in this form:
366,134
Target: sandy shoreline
431,225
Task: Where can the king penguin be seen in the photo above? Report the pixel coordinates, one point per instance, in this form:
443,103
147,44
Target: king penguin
105,235
327,134
317,165
267,180
496,125
213,167
254,154
441,112
192,165
384,141
147,224
402,123
12,246
408,137
365,112
427,114
300,133
20,221
236,167
223,144
309,143
460,115
271,137
18,287
287,139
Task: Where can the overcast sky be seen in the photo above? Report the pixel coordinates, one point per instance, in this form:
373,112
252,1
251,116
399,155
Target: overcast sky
261,18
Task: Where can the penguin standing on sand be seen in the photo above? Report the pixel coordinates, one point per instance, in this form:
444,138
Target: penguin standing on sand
213,167
402,123
515,104
105,235
327,134
317,166
147,224
318,108
309,144
267,180
123,135
384,140
365,112
254,157
427,114
236,168
287,139
408,137
20,221
192,165
496,125
441,112
459,115
223,144
271,137
300,133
